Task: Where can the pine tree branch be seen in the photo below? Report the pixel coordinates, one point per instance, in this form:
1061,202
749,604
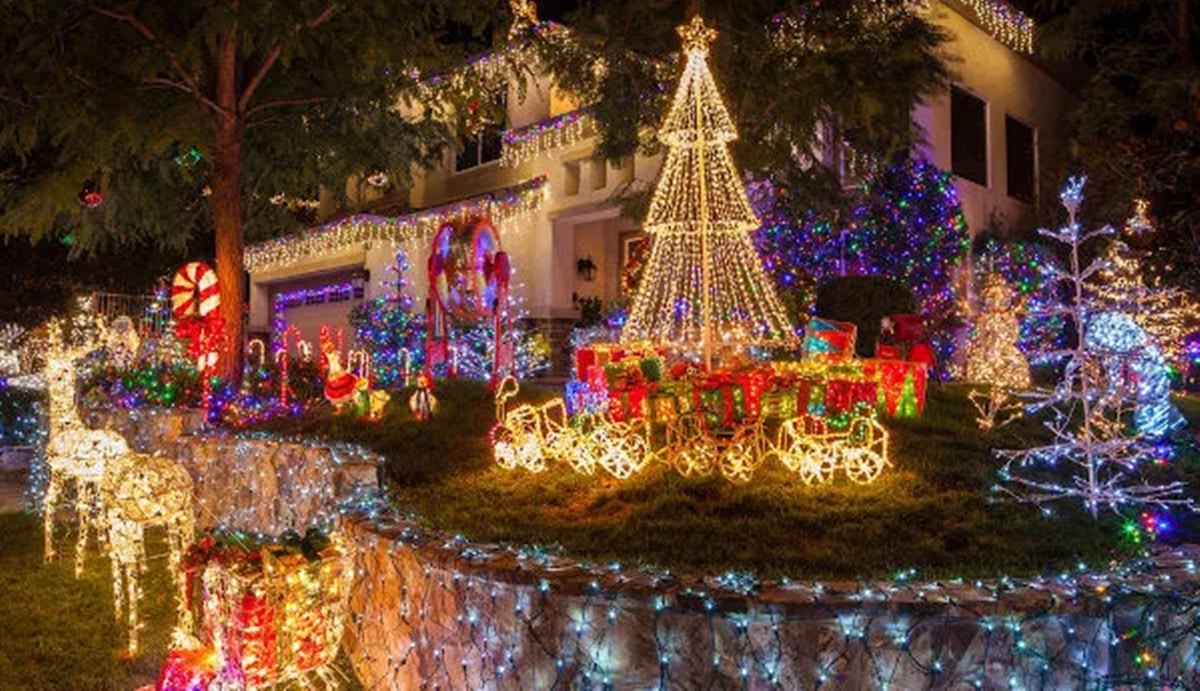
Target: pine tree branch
189,80
273,57
284,102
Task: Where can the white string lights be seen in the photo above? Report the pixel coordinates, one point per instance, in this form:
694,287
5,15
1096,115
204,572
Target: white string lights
993,359
1005,23
541,138
1089,432
704,286
502,206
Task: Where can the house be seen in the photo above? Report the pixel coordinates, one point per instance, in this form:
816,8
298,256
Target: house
552,202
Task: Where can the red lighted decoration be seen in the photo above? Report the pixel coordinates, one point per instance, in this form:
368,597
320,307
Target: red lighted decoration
195,304
189,670
91,198
468,281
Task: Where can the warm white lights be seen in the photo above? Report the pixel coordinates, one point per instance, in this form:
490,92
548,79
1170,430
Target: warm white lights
704,285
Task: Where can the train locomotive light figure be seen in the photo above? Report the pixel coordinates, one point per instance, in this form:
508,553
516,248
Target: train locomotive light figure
468,281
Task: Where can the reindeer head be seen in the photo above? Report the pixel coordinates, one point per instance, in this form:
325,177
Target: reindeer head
61,354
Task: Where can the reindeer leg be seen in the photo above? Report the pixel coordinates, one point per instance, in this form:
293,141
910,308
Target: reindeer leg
85,502
133,592
118,585
49,504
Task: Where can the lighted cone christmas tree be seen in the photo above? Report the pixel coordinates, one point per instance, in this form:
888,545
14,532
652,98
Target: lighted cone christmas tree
704,285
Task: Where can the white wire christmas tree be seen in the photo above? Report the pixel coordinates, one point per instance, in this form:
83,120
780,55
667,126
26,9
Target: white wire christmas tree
1089,432
704,286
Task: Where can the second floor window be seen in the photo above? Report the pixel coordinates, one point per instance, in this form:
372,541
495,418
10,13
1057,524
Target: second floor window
968,136
482,148
1019,147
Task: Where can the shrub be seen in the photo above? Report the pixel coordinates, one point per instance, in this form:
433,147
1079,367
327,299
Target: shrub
864,301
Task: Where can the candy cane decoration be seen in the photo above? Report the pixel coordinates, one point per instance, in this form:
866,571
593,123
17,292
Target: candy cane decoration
359,362
407,359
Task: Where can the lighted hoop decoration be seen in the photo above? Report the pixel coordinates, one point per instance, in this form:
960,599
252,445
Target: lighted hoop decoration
468,280
463,268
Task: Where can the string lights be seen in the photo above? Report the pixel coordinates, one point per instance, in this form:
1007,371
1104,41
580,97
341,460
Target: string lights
1005,23
1089,434
432,609
704,286
502,206
540,138
76,455
441,611
268,614
993,358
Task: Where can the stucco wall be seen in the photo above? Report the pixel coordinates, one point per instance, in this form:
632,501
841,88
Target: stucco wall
1012,84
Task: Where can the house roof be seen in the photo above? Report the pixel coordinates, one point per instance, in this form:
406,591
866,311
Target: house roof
345,233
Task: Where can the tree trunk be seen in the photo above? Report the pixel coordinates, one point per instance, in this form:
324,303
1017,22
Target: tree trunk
227,218
227,209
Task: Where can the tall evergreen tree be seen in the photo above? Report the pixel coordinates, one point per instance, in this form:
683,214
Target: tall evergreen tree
799,76
168,119
1137,129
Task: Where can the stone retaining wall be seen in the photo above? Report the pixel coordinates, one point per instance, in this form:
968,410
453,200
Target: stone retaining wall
429,610
251,483
432,611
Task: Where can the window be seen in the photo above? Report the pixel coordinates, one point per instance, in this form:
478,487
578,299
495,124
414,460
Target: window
571,178
968,136
1022,162
482,148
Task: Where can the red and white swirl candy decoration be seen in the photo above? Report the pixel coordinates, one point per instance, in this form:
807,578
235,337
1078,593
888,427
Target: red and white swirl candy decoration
196,302
195,291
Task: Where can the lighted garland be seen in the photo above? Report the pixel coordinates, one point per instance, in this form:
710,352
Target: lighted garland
1005,23
502,206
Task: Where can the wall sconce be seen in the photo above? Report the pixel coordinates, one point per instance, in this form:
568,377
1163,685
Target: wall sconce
586,268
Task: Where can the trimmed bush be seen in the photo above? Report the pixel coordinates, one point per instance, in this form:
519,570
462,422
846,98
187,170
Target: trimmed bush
864,301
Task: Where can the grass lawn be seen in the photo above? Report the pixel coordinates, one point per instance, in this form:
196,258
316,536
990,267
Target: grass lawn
932,511
59,633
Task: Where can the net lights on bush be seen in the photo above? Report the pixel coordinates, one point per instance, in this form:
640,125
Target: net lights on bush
704,286
1089,434
503,206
